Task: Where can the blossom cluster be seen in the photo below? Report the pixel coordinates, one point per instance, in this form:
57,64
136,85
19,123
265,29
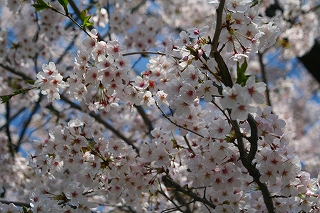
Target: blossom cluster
191,133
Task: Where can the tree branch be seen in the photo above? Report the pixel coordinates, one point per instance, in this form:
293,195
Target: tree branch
168,182
264,77
26,123
253,138
16,203
10,143
164,115
145,118
215,41
253,171
75,106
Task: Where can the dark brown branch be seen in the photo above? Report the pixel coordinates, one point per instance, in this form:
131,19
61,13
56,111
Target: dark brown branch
168,182
215,41
13,117
16,203
171,200
188,144
22,75
27,122
10,143
254,172
145,118
264,77
246,158
253,138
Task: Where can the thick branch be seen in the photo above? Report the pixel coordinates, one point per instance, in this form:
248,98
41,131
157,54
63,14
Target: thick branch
254,172
246,158
253,138
215,41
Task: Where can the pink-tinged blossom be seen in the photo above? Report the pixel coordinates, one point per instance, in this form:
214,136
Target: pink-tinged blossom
162,98
191,75
219,129
228,40
115,49
184,39
141,83
271,33
93,76
196,33
232,96
161,156
50,81
147,100
188,93
99,49
74,193
181,106
89,43
239,6
254,90
241,110
207,90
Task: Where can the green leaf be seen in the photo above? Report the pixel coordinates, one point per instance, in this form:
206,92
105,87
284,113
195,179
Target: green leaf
223,69
5,98
19,91
83,14
85,19
86,22
64,4
41,2
39,7
241,77
255,3
30,81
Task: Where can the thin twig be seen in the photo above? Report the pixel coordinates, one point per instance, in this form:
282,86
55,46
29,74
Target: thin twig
27,122
149,52
13,117
188,144
10,143
189,130
170,183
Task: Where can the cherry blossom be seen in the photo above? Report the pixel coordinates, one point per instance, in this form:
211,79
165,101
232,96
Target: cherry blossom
149,107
